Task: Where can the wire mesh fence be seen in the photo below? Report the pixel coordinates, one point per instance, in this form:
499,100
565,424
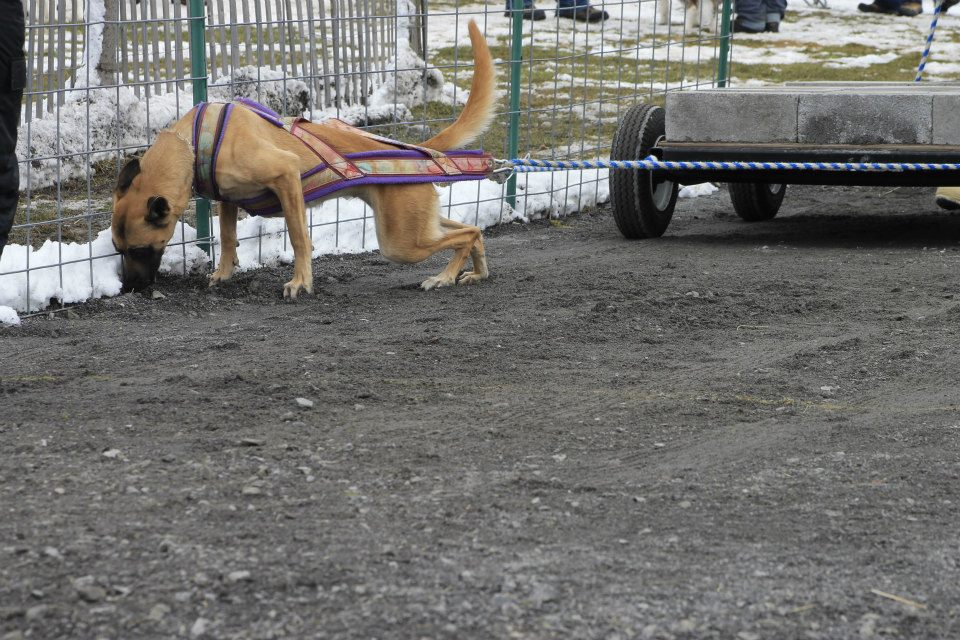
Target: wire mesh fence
107,75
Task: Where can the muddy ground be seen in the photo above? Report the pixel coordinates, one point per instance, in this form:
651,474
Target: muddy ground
736,431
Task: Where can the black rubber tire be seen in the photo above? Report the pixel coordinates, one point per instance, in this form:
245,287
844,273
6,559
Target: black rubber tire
756,201
642,205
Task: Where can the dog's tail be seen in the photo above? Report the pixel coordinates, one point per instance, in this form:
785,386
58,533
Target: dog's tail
478,112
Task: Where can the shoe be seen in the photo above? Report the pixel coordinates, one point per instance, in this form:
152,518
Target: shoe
874,8
529,13
739,27
583,14
948,198
772,27
910,9
947,4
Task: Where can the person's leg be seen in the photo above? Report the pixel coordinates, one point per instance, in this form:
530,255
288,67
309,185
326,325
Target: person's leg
13,74
910,8
529,11
776,9
898,7
580,10
751,16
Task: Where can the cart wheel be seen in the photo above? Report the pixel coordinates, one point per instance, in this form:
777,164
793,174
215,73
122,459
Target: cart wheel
642,204
756,201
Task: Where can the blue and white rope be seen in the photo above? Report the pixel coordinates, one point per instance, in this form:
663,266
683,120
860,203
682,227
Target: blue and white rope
937,4
527,165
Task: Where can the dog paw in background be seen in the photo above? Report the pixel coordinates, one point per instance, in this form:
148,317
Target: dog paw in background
697,14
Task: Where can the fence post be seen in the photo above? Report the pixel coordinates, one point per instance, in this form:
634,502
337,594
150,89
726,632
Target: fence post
107,65
723,64
516,51
198,73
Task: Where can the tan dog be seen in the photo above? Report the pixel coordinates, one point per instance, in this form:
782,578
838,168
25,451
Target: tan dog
153,192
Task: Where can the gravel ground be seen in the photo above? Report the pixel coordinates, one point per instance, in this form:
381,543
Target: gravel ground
737,431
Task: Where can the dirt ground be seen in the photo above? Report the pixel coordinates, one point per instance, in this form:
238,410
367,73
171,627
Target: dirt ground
737,431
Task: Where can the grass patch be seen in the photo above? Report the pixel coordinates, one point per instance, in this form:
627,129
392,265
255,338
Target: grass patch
568,100
901,69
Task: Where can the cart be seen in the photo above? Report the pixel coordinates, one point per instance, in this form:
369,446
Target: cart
799,126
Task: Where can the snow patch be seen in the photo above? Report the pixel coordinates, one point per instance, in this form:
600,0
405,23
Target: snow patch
91,129
697,190
270,87
8,316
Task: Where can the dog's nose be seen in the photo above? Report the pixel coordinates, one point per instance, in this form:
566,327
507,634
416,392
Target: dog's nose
136,283
137,275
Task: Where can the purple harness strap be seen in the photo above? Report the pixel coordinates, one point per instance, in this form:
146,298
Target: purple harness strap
407,164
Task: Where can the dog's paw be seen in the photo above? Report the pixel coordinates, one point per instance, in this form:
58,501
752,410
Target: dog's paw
224,271
435,283
293,288
217,277
470,278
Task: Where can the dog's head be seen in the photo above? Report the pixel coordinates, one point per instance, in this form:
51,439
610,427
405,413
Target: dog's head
152,193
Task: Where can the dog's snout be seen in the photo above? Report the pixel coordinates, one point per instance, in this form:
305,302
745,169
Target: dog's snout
139,269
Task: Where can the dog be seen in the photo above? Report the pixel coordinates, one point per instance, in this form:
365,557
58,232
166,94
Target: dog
695,15
152,192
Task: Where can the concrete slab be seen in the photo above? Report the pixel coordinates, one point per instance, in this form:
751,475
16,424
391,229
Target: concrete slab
719,116
818,113
857,118
946,120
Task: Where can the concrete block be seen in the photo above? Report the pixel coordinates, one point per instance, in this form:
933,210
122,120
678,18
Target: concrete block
946,119
851,113
856,118
722,115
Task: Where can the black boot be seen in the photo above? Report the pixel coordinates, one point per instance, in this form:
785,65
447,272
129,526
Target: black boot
874,8
739,27
529,13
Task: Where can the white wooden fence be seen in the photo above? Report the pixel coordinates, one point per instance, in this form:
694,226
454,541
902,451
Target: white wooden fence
145,45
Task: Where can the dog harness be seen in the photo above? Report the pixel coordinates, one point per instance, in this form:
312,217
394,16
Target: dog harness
404,164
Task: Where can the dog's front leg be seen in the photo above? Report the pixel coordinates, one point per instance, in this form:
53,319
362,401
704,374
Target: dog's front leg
287,188
228,244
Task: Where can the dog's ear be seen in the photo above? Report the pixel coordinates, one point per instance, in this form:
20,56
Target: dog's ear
130,171
157,211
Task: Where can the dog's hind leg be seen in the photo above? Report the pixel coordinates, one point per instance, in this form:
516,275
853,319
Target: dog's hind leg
477,254
418,244
462,241
228,244
410,229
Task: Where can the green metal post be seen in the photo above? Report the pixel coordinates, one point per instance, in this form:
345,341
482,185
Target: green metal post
516,51
723,64
198,72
